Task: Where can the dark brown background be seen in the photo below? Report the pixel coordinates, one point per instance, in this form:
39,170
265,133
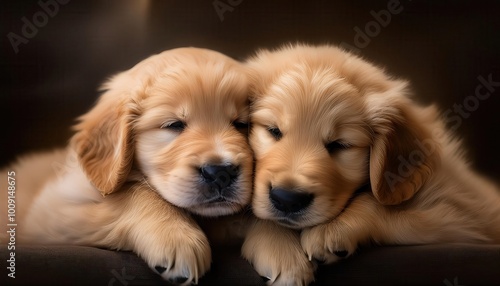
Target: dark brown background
440,47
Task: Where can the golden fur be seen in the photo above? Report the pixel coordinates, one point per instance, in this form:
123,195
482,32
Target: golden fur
131,174
379,168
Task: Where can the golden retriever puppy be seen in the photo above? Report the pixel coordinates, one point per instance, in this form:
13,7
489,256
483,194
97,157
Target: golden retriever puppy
346,157
166,139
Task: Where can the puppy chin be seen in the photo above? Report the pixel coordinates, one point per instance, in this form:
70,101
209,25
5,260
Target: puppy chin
284,221
290,222
294,221
266,212
216,209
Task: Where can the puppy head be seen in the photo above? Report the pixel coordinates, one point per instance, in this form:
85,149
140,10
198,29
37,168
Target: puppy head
181,118
324,124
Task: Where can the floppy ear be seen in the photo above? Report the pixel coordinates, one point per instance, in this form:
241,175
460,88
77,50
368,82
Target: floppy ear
403,154
104,140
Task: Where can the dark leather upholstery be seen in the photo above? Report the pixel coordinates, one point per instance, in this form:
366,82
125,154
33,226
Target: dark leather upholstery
451,264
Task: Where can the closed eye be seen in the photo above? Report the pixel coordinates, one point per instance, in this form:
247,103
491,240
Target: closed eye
336,145
275,132
176,126
241,126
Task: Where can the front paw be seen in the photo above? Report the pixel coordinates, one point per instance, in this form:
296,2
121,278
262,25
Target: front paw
178,256
328,242
281,265
276,255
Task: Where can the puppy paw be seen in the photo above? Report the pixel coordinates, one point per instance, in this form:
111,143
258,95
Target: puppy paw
302,273
180,257
329,242
174,280
279,258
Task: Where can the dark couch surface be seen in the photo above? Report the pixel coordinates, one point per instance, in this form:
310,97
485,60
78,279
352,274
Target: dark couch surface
449,265
441,47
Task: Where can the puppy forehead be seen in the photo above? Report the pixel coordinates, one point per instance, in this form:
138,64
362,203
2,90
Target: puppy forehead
360,73
308,95
188,87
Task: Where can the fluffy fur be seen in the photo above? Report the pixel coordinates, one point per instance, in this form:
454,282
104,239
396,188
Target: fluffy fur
166,139
368,163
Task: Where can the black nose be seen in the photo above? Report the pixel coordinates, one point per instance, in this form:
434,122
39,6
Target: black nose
219,176
289,201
